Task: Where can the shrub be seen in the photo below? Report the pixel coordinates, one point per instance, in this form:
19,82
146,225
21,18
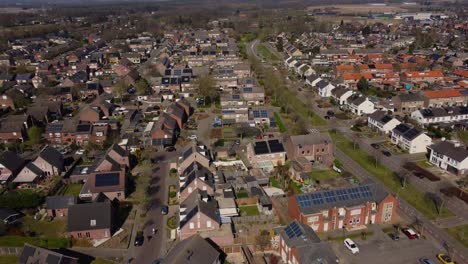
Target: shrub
20,199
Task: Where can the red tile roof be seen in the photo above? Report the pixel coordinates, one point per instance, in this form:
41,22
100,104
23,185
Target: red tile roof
446,93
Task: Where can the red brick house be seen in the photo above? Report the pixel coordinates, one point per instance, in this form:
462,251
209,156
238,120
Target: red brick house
6,102
196,177
349,208
91,220
193,154
14,128
91,114
197,214
110,183
57,206
298,243
317,148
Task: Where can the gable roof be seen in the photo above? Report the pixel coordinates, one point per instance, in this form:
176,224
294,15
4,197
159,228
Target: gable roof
450,150
52,156
194,204
80,216
311,139
192,250
11,161
197,171
26,178
33,254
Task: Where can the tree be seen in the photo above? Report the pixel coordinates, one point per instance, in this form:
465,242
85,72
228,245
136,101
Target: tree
362,84
120,89
206,86
142,87
279,44
35,135
263,240
366,30
403,177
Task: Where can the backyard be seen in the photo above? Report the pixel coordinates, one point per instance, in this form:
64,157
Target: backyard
324,175
410,194
248,210
280,123
73,189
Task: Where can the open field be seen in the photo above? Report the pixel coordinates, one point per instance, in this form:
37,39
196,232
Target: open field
14,10
361,8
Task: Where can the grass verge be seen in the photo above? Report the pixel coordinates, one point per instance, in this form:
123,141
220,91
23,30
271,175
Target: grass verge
460,233
266,53
73,189
280,123
410,194
48,242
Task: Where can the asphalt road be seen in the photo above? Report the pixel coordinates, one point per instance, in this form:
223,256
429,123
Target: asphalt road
154,247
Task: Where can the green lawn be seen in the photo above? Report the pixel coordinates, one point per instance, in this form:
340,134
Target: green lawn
296,187
274,182
266,53
424,164
280,123
302,109
49,242
73,189
410,194
55,228
242,195
460,233
248,210
324,175
101,261
8,259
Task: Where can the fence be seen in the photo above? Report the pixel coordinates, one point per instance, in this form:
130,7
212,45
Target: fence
253,219
9,251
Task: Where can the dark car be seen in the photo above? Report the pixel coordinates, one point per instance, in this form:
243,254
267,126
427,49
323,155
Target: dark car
394,236
374,145
326,117
426,261
386,153
330,113
139,239
170,149
164,209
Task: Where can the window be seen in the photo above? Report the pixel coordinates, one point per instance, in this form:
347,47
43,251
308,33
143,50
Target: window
79,235
93,222
88,235
191,226
118,194
208,223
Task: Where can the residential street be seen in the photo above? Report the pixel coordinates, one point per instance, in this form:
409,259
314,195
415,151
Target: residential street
393,163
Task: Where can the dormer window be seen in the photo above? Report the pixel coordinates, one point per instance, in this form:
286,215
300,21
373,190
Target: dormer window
93,222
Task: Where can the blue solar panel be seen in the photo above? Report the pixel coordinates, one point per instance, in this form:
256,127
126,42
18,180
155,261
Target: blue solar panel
107,179
248,89
236,96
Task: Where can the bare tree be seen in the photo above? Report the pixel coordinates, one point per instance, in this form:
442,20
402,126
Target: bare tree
403,176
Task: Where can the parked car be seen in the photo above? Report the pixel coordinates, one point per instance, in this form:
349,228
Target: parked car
170,149
192,137
237,142
375,145
426,261
445,259
164,209
326,117
79,152
386,153
410,233
351,245
139,239
394,236
330,113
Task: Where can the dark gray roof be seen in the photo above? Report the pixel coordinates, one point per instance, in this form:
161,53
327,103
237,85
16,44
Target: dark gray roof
60,202
11,161
356,99
33,254
80,216
193,250
310,203
339,91
450,150
380,116
194,204
194,171
321,84
52,156
310,248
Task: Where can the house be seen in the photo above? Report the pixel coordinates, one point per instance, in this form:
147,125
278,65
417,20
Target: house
34,254
312,80
409,102
91,220
324,88
440,115
57,206
198,213
14,128
29,175
450,157
196,177
50,161
410,139
193,153
10,165
112,184
92,114
261,116
9,216
381,121
359,104
446,97
341,94
315,147
266,154
350,208
298,243
193,250
428,76
6,102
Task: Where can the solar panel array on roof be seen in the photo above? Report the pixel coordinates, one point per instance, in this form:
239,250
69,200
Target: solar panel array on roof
107,179
412,133
248,89
236,96
187,153
260,113
177,72
83,128
275,146
55,127
293,230
167,72
333,196
386,119
261,148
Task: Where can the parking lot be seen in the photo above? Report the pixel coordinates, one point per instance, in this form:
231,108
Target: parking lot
380,248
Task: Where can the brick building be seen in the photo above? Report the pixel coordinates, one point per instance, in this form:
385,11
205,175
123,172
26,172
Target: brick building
349,208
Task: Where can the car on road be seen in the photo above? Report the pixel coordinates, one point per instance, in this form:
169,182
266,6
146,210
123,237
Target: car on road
192,137
170,149
330,113
237,142
164,209
79,152
426,261
394,236
139,239
326,117
375,145
386,153
410,233
445,259
351,245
